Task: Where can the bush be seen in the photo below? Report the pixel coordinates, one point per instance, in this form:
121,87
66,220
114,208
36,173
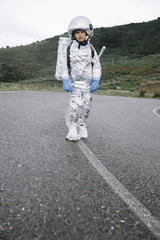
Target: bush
156,95
142,93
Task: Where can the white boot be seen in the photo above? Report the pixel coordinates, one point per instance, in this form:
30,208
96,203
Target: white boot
83,133
72,134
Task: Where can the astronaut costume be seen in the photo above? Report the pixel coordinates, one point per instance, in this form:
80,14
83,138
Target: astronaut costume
82,79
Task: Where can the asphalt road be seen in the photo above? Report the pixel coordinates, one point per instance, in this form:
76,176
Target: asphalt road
48,187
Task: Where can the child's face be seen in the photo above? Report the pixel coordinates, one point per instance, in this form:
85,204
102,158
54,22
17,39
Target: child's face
80,35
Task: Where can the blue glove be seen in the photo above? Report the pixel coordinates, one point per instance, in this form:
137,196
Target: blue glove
95,85
66,85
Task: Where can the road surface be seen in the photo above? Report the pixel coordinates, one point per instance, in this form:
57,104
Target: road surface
102,188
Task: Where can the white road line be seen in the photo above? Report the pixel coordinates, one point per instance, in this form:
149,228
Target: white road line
133,203
155,111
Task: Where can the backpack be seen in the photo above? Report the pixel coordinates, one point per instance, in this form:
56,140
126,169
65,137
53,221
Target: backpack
63,43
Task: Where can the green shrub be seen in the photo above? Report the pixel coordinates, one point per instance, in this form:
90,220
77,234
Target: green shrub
142,93
156,95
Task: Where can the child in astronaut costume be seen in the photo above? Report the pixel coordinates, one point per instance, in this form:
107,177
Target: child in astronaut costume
83,77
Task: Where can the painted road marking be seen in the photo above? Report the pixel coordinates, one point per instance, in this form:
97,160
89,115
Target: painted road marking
133,203
155,110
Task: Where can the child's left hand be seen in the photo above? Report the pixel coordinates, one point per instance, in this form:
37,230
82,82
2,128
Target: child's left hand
95,85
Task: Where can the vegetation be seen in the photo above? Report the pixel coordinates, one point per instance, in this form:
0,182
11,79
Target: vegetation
131,61
134,40
10,74
156,95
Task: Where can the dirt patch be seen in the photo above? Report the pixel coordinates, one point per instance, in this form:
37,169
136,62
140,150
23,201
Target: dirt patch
150,87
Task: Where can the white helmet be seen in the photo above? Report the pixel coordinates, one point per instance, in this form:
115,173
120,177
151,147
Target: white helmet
80,22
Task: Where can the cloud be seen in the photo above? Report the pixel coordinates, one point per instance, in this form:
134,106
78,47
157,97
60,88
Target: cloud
24,21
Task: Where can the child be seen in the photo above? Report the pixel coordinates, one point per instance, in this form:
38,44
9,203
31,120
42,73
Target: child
81,75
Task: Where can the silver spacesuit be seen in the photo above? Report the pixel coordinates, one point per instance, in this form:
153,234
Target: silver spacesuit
82,79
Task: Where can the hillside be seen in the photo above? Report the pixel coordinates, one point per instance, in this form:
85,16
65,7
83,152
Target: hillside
136,39
34,60
132,52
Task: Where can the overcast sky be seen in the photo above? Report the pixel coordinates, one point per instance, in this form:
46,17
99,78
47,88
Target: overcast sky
25,21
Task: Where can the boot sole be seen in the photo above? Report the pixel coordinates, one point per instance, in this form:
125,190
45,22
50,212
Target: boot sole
71,140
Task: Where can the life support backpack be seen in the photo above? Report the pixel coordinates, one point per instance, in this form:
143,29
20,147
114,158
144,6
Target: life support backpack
63,43
64,46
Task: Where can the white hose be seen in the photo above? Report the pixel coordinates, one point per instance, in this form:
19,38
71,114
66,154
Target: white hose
101,52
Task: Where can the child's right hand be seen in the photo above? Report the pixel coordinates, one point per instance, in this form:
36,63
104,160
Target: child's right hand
66,85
